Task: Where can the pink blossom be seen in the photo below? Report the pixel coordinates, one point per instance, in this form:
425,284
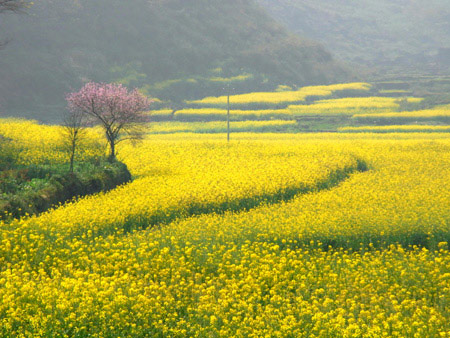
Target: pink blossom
115,108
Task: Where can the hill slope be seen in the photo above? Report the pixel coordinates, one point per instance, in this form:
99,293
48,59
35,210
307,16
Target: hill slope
172,50
393,34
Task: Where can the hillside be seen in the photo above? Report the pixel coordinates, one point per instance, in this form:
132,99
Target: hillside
171,50
392,35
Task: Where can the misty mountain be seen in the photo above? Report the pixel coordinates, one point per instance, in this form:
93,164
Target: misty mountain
403,35
173,49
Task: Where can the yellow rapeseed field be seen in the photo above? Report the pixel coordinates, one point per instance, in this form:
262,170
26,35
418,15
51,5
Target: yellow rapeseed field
35,143
161,113
270,235
218,126
438,113
221,114
350,106
283,96
396,129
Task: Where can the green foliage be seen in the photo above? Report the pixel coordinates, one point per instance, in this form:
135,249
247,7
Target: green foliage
427,103
400,120
36,188
390,34
129,75
273,126
250,115
8,153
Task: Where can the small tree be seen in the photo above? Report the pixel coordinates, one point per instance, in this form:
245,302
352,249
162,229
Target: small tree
120,112
74,130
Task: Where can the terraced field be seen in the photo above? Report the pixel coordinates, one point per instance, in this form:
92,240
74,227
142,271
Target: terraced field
221,127
438,114
343,107
271,99
349,106
397,129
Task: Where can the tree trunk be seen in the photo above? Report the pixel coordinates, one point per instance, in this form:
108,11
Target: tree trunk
112,145
112,154
72,155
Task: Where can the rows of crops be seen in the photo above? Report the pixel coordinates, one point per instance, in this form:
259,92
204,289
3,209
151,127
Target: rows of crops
274,235
397,129
280,98
439,114
257,106
203,114
350,106
341,105
220,126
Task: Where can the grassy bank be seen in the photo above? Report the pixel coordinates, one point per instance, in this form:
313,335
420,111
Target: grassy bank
28,190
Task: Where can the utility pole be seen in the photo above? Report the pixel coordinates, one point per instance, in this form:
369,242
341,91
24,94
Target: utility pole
228,115
228,89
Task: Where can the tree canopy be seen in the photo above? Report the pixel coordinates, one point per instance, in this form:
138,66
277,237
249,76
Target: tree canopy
118,111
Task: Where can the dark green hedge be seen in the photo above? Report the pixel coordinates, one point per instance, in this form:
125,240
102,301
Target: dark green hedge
60,188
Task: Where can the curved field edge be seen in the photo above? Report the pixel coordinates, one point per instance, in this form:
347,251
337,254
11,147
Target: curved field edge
188,209
39,241
244,203
403,200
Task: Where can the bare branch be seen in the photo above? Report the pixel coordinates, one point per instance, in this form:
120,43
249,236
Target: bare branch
15,6
74,129
115,108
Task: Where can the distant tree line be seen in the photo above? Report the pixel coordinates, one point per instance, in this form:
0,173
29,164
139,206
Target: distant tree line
167,48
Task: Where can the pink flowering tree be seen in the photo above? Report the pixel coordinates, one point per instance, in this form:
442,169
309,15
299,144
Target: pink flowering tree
120,112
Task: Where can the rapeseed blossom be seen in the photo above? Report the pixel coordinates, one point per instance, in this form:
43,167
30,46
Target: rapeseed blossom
273,235
283,97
